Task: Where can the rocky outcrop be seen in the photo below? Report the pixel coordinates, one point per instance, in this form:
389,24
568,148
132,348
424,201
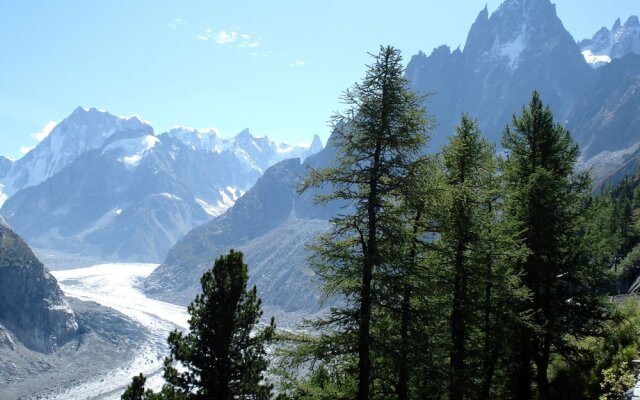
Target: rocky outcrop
32,306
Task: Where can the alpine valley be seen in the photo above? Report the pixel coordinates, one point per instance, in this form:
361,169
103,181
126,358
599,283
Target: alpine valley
522,46
155,209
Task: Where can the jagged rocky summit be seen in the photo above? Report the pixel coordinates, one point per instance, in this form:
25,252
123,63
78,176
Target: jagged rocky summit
521,47
607,45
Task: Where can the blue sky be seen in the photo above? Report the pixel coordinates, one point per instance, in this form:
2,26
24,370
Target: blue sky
277,67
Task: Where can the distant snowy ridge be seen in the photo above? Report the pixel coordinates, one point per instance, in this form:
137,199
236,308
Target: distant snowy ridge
89,128
109,187
260,151
607,45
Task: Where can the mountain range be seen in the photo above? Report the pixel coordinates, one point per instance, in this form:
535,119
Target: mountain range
522,46
109,188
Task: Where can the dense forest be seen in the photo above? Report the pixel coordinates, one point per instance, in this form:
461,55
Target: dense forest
463,274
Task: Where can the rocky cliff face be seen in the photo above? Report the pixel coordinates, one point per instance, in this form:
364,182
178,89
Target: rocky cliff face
521,47
272,225
32,307
607,118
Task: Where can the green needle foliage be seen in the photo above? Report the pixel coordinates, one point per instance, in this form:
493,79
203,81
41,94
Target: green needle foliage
221,357
378,139
478,253
549,203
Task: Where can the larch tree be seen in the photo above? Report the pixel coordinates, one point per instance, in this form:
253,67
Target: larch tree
475,251
381,134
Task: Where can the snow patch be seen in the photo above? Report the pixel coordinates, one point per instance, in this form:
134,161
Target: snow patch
132,161
228,198
596,60
170,196
133,149
3,196
208,208
513,49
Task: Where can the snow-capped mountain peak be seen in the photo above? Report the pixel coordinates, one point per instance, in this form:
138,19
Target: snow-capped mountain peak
607,45
198,139
259,152
512,34
83,130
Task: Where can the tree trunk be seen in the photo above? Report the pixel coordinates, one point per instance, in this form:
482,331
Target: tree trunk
522,389
371,259
403,374
490,339
456,380
542,364
364,362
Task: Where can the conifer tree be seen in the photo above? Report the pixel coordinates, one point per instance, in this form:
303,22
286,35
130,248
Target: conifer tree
547,201
221,356
382,134
468,169
477,252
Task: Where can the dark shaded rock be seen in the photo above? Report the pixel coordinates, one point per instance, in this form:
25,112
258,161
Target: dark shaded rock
521,47
32,305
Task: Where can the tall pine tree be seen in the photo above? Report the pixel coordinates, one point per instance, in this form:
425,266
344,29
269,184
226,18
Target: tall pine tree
382,135
476,251
547,201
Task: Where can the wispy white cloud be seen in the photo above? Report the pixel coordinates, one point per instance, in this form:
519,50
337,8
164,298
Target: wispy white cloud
230,37
298,63
177,23
44,132
25,149
226,37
